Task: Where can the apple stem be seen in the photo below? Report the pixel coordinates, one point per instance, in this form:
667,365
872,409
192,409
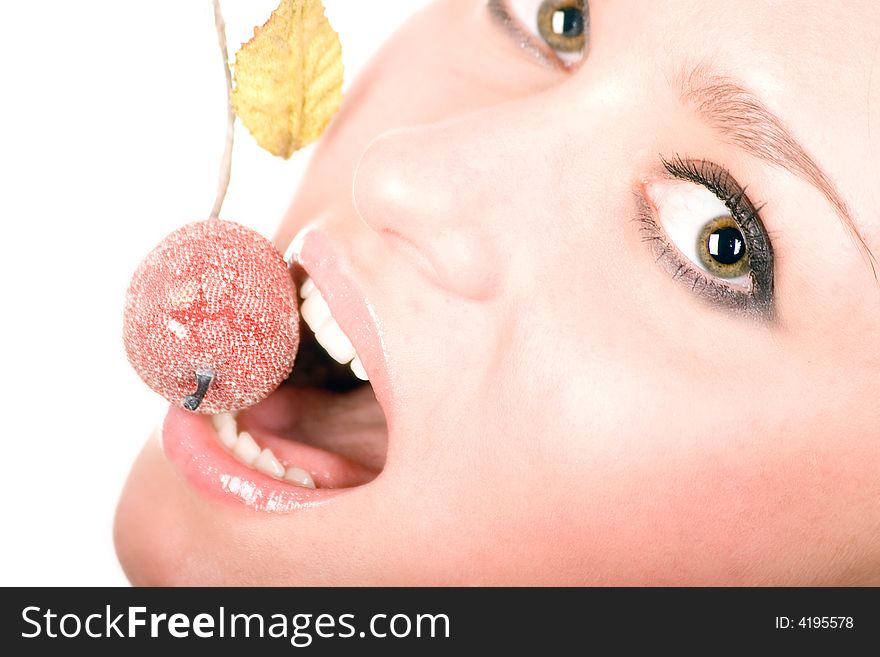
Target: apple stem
204,377
226,162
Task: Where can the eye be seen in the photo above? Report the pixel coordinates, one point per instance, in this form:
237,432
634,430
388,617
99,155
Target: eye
561,24
553,29
710,234
702,228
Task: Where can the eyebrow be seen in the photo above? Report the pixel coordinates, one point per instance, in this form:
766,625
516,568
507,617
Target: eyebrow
743,120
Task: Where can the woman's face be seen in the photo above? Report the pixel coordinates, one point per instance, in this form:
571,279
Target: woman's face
599,359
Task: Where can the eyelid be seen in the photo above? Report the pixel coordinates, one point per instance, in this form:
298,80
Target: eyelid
676,204
758,302
703,285
746,214
501,14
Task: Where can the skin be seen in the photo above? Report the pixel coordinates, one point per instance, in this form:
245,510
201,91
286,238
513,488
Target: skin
568,413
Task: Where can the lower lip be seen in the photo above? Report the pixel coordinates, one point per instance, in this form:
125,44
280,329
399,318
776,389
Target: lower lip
190,443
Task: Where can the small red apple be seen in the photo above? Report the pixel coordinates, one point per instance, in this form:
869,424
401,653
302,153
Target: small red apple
211,318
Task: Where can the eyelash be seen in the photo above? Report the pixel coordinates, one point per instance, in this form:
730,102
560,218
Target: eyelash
502,14
718,181
759,299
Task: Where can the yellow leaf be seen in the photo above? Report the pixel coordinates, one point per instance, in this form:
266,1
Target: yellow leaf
288,77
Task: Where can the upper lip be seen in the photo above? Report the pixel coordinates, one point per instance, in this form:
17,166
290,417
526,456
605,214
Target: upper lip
316,252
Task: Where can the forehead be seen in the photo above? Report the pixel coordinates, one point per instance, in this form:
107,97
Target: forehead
814,43
816,65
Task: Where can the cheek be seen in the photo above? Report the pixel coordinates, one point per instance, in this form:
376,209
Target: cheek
637,450
633,468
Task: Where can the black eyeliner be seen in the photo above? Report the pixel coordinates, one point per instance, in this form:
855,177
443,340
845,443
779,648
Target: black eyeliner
760,299
501,15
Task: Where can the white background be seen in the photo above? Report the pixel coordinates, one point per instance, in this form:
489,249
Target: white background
112,119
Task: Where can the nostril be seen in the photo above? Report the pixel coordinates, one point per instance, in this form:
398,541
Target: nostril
406,246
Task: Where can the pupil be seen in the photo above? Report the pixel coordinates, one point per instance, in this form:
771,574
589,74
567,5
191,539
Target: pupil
568,22
726,245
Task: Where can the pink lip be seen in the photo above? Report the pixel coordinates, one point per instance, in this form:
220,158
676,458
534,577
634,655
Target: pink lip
190,443
355,315
189,439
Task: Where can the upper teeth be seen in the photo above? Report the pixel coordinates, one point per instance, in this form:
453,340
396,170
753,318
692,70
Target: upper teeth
329,335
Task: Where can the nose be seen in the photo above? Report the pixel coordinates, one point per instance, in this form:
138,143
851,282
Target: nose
434,191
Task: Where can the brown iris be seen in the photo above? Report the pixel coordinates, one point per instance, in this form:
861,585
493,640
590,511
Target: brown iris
721,248
561,24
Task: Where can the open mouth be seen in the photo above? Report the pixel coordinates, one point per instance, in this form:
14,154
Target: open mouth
323,427
323,430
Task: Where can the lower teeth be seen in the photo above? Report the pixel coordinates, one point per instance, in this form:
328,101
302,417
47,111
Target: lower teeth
241,444
246,450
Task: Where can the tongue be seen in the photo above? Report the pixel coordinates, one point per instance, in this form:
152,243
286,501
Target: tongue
323,426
